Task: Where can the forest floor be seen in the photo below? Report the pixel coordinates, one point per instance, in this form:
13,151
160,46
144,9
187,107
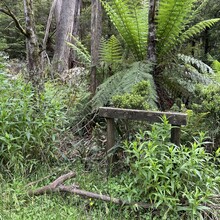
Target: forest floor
15,204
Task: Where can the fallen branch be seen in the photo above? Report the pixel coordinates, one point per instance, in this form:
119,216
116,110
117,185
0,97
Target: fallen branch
52,187
57,186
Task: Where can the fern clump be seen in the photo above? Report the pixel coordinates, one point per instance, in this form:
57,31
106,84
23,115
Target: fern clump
139,98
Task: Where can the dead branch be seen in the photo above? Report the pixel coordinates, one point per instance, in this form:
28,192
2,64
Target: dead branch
17,23
57,186
52,187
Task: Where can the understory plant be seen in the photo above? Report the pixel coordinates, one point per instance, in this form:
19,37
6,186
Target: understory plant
141,97
179,182
28,127
208,102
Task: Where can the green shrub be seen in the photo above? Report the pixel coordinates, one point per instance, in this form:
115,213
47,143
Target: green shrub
208,102
179,181
27,128
139,98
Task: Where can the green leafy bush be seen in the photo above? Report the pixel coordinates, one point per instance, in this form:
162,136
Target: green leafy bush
208,102
178,181
139,98
27,128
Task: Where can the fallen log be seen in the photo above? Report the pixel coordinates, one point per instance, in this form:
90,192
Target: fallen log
57,186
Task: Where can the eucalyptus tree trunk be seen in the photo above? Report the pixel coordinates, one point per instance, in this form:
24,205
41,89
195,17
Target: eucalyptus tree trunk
44,56
73,56
64,29
96,31
34,67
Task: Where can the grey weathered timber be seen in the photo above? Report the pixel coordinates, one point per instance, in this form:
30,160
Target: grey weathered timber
175,135
175,119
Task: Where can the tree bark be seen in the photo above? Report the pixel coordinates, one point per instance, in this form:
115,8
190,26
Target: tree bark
44,55
96,31
64,29
35,71
75,33
151,50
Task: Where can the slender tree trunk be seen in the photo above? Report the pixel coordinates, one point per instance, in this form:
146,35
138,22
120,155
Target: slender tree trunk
33,53
44,55
76,23
96,31
64,29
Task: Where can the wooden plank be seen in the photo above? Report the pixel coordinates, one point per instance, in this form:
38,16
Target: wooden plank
175,135
150,116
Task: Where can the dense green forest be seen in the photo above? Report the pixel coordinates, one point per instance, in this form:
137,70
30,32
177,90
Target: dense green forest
62,62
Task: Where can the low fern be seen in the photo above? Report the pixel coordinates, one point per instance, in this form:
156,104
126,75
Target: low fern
110,51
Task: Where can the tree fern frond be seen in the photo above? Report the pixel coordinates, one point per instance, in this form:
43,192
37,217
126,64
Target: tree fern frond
130,19
181,81
198,63
196,29
172,18
122,82
110,51
80,50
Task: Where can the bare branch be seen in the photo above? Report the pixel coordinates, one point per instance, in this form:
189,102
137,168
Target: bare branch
56,186
52,187
17,23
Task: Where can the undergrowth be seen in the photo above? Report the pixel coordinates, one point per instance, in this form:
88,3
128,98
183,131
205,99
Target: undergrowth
28,127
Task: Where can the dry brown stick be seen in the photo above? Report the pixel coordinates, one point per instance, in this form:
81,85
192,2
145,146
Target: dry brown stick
57,186
105,198
52,187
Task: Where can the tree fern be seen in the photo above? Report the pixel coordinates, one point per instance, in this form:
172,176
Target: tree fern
122,82
110,51
130,19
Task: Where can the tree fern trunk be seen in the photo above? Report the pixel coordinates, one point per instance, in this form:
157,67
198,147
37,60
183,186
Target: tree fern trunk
151,50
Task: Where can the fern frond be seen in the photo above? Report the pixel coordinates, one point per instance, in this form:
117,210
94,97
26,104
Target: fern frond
171,19
80,50
196,29
181,80
110,51
204,68
130,19
122,82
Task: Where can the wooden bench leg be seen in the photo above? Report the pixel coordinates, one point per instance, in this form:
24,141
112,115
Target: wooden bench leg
175,134
110,138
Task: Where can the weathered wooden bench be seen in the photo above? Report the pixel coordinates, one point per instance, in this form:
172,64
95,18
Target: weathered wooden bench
175,119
